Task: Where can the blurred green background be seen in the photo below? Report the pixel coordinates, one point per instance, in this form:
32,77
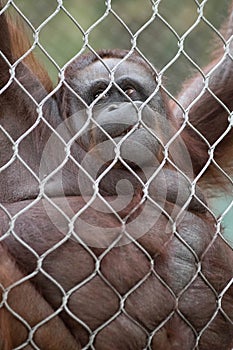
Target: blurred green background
63,39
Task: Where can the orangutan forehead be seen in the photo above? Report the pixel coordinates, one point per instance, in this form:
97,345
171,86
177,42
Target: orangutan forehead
103,70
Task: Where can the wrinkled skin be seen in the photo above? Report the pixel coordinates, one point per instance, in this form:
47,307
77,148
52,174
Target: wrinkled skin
94,302
151,285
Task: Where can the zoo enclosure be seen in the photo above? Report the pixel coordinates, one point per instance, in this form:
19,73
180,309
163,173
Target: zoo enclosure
178,57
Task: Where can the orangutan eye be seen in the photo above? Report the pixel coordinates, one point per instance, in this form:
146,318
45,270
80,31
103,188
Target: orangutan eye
99,92
130,91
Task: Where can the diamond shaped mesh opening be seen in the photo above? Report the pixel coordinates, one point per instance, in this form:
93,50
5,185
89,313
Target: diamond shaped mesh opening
113,231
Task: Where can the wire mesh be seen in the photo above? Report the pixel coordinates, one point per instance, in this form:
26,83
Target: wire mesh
108,239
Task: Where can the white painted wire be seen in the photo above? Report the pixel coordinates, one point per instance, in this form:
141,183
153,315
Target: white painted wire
71,232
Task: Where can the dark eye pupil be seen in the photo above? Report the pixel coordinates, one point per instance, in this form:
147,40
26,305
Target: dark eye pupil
99,92
129,91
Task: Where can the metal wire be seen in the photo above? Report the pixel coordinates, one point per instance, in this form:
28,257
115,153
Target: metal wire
71,232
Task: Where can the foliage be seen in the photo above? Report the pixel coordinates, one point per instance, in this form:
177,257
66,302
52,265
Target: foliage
62,39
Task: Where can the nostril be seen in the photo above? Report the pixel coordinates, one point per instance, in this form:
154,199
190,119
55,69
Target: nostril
112,108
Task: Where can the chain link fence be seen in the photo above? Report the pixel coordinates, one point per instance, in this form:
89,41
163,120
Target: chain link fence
108,239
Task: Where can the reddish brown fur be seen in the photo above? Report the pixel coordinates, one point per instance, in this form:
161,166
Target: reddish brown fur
208,115
170,293
29,304
124,267
20,44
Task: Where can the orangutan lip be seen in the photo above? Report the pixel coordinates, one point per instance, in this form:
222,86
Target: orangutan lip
128,130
